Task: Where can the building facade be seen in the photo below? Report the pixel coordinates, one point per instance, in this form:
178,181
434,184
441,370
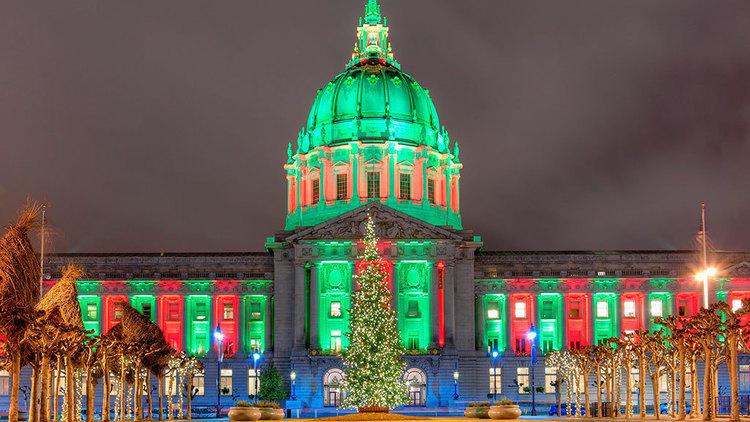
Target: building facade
373,144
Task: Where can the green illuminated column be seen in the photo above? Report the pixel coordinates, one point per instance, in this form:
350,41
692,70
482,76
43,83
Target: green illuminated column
550,321
198,324
605,316
254,310
91,307
494,315
660,304
145,304
721,295
334,281
413,279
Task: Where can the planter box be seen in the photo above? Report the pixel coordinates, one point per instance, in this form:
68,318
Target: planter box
271,413
244,414
471,412
511,411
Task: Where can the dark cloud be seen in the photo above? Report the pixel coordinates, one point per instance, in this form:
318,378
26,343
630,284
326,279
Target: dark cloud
584,125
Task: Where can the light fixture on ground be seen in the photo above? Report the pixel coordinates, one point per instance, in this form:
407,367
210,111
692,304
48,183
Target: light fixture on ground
293,377
455,382
531,335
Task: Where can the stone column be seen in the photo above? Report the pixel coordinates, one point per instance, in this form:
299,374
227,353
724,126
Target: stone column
283,311
449,286
564,325
314,304
355,179
267,324
464,300
479,321
434,308
299,306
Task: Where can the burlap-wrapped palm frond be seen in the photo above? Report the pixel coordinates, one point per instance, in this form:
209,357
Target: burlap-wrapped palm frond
63,297
19,274
137,329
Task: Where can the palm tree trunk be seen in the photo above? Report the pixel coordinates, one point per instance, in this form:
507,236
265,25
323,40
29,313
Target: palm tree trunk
732,367
586,392
137,396
34,407
695,395
681,368
123,389
70,388
56,393
106,391
628,388
90,395
160,389
708,385
15,387
44,389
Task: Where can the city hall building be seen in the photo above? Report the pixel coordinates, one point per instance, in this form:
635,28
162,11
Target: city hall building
373,144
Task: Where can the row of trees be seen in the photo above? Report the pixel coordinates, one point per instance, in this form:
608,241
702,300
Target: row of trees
47,333
714,336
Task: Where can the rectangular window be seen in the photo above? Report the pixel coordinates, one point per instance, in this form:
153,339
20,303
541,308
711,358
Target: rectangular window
550,378
173,312
575,309
4,383
522,379
342,186
736,304
315,191
547,312
118,311
493,311
255,313
373,184
431,190
628,309
547,345
744,380
226,382
200,311
412,309
147,310
404,186
255,343
91,311
656,308
602,309
682,309
520,310
496,380
335,309
228,314
199,383
252,382
413,343
634,379
336,340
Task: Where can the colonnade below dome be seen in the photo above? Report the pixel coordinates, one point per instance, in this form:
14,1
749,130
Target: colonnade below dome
331,180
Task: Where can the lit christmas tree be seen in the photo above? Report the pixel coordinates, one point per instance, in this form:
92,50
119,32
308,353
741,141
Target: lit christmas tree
374,368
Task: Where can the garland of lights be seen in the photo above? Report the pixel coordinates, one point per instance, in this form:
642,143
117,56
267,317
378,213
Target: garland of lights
78,398
374,367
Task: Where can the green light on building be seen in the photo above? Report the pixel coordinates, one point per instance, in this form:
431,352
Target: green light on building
254,328
550,321
660,304
494,314
91,307
145,304
414,303
605,316
198,324
334,303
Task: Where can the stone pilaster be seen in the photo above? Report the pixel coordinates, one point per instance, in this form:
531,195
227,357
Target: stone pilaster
449,286
434,308
299,305
314,307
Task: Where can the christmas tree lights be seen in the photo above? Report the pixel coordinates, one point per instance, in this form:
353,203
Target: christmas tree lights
374,368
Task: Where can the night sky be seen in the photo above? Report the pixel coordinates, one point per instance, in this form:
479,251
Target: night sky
163,125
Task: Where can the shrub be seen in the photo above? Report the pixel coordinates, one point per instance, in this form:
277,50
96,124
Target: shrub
242,403
271,384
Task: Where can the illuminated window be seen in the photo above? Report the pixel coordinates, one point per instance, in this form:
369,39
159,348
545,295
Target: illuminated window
547,312
4,383
663,380
736,304
412,309
336,340
634,379
520,310
147,310
91,310
315,191
170,384
200,311
492,310
575,309
412,342
431,190
602,309
255,343
656,308
522,378
373,184
173,311
628,309
252,382
228,312
601,273
255,313
118,311
496,380
226,382
199,383
335,309
744,380
342,186
550,378
404,186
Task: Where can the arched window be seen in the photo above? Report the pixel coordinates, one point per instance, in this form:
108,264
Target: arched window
416,382
333,389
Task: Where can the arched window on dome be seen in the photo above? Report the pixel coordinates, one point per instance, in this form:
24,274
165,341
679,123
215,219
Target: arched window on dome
435,187
311,187
404,181
374,180
333,391
341,188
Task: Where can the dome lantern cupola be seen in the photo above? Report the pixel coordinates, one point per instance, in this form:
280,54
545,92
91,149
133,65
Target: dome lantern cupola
373,134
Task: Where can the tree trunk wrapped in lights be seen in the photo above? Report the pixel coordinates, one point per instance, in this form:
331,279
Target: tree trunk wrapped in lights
373,360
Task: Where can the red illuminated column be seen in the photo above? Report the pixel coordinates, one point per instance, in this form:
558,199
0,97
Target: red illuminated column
687,303
577,306
633,311
113,311
226,314
171,316
440,268
522,317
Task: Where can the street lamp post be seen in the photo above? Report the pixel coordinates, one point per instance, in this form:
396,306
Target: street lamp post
704,277
495,354
256,356
455,382
293,377
219,358
532,336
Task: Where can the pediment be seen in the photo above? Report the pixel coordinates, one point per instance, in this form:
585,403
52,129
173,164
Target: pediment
389,225
739,270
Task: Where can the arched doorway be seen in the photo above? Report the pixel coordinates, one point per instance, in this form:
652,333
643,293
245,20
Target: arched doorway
333,390
416,382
